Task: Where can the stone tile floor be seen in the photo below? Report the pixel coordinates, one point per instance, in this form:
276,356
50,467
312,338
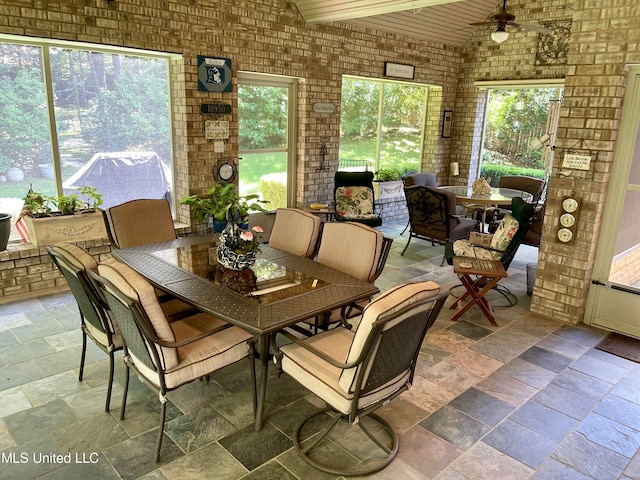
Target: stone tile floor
529,399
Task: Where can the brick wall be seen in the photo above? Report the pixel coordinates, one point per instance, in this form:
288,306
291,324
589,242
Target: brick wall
27,271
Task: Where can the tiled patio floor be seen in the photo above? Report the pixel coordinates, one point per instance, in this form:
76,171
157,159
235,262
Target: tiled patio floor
530,399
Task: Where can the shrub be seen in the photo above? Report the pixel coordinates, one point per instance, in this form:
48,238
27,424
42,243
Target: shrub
496,171
275,193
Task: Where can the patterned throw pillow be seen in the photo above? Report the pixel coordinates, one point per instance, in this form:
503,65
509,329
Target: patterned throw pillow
463,248
354,201
504,234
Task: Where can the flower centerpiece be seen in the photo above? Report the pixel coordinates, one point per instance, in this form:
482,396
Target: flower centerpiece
238,247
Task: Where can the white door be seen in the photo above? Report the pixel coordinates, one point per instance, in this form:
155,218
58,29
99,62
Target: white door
614,296
267,137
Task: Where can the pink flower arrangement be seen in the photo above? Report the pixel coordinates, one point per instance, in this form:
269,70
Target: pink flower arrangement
244,241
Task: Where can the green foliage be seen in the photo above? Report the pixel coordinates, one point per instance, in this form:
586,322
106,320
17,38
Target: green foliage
130,110
388,135
24,132
263,123
222,201
275,193
359,108
5,163
39,205
68,204
496,171
94,199
388,175
514,118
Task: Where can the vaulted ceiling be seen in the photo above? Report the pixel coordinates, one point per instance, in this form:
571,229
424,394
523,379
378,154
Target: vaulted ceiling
439,21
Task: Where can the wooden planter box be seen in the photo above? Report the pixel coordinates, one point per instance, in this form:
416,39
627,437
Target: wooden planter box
65,228
382,190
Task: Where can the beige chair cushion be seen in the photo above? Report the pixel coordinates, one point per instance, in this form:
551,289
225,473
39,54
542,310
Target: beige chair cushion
322,378
295,231
334,385
386,305
139,222
83,260
76,256
203,356
352,248
136,287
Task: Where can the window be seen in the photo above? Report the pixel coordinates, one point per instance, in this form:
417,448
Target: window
515,118
382,124
75,116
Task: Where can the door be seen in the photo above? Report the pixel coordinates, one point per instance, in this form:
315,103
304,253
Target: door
614,296
266,138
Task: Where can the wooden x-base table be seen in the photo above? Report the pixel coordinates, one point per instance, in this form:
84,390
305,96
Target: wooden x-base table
488,273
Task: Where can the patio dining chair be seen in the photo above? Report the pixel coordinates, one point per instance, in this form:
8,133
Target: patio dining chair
139,222
354,249
353,196
296,231
425,179
95,319
167,355
357,372
432,216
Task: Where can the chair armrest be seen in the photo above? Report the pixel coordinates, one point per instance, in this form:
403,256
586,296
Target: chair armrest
319,353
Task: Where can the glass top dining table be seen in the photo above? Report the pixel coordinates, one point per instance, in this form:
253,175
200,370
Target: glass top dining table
498,197
289,289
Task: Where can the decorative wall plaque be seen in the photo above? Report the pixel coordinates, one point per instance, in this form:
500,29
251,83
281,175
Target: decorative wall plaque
214,74
553,44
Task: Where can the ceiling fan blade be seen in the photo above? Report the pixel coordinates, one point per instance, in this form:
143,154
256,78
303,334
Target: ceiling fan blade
484,23
531,26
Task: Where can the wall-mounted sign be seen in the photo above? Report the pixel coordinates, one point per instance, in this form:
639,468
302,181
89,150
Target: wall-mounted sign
216,130
398,70
216,108
214,74
447,122
324,107
576,161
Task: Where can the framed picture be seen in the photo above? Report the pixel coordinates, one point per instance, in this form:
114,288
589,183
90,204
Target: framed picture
447,121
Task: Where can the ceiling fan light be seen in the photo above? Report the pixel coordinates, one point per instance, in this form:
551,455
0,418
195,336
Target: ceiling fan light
500,35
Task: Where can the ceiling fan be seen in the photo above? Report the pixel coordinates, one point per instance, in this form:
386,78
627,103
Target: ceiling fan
503,19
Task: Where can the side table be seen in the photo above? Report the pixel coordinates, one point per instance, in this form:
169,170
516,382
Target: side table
326,214
488,273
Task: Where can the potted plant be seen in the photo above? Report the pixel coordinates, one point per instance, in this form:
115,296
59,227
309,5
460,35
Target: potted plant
217,201
388,183
238,246
50,220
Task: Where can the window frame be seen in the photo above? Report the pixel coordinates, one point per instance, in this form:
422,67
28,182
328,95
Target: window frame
485,86
379,124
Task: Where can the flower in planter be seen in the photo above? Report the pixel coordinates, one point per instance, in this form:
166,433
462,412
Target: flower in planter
238,248
243,241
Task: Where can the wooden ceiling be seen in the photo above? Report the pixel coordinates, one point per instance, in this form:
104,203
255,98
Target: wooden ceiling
439,21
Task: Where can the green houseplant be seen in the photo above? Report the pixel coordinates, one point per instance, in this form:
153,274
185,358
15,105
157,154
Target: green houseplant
387,183
217,201
72,217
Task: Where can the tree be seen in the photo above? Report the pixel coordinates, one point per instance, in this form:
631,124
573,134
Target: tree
24,133
263,122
